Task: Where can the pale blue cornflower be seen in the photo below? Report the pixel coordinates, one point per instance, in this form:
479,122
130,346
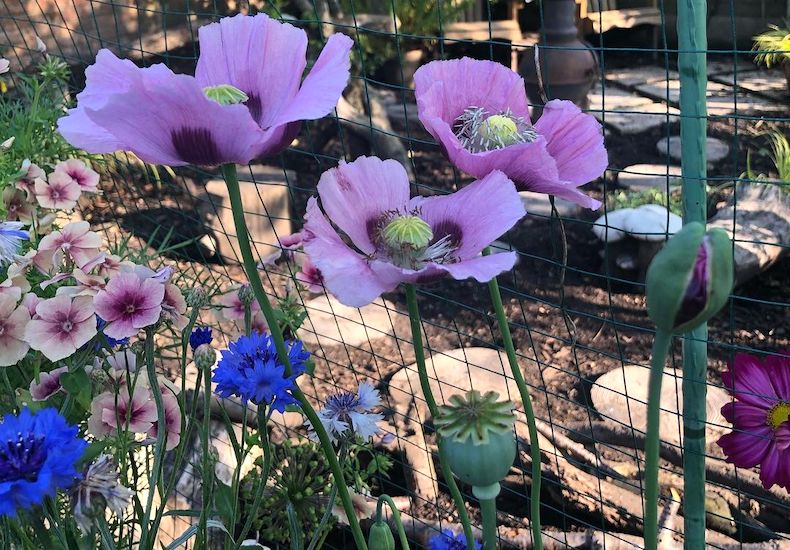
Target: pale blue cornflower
346,414
11,236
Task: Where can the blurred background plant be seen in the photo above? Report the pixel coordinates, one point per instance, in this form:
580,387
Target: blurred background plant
624,198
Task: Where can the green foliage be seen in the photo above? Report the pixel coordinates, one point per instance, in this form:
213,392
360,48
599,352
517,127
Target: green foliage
301,480
774,46
631,199
780,155
29,114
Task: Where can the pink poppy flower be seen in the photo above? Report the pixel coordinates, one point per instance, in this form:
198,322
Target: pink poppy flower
61,325
58,192
310,276
81,173
232,308
17,206
250,67
135,413
128,303
760,417
13,321
75,240
396,239
478,112
172,421
48,384
174,306
27,183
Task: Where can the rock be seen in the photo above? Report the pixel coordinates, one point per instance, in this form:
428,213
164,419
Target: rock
330,323
646,176
264,194
762,227
620,396
716,149
537,204
649,222
627,112
452,372
759,81
640,75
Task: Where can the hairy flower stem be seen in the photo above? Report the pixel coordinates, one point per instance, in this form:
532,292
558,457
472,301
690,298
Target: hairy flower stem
660,349
251,269
526,401
404,542
207,470
161,433
419,353
263,433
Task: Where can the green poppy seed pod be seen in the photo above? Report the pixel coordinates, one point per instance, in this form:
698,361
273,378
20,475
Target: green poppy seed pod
690,279
380,537
476,434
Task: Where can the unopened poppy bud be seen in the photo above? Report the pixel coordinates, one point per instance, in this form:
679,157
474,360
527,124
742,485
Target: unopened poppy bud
380,537
225,94
476,432
205,356
197,297
690,279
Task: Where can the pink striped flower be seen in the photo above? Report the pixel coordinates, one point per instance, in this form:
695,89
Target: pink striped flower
174,307
75,241
58,192
17,206
13,321
172,421
112,413
129,303
27,183
48,384
61,325
80,173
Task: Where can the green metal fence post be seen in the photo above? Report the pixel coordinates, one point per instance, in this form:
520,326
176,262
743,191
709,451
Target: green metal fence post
692,46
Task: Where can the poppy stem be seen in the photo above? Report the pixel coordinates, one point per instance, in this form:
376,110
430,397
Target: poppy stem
251,269
419,354
526,401
660,349
263,433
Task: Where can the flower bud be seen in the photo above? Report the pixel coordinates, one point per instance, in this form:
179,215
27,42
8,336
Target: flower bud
197,297
380,537
476,433
690,279
246,295
205,356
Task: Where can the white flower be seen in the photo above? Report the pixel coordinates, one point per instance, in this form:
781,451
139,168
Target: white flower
11,235
347,414
4,65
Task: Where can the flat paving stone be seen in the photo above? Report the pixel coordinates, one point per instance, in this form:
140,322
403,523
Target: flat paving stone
716,149
620,396
646,176
538,205
768,83
640,75
610,97
669,91
639,118
330,323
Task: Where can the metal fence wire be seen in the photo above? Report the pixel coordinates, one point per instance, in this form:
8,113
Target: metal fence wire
576,297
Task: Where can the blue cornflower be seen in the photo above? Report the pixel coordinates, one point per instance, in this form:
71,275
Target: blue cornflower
38,456
448,540
346,414
201,335
11,236
112,342
250,370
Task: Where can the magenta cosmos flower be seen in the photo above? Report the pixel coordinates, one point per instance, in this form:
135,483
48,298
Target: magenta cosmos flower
395,239
760,417
61,325
128,303
479,113
245,100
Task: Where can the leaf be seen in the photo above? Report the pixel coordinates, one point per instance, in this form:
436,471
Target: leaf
78,385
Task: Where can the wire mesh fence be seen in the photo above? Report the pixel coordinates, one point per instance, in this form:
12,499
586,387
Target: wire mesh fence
575,299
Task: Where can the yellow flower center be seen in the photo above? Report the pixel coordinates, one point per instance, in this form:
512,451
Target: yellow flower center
407,231
778,415
225,94
500,129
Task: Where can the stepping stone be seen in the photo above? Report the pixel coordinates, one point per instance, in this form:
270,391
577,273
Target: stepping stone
330,323
620,396
723,104
449,373
646,176
669,92
640,75
538,205
717,150
629,113
769,83
649,222
264,193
